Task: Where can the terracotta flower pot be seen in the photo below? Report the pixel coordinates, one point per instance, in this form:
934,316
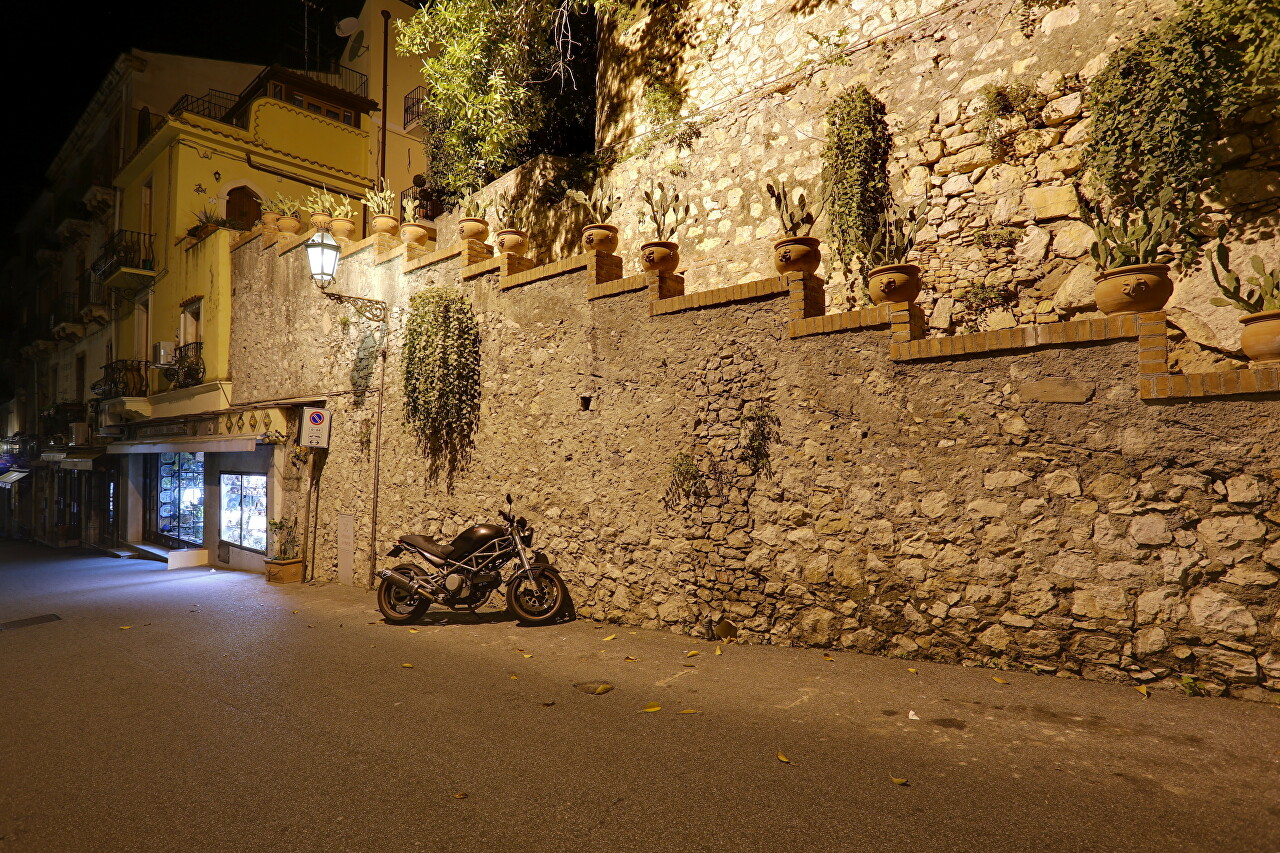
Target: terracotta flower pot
472,228
1133,290
660,256
797,254
341,228
384,223
289,224
598,237
512,240
270,219
283,571
1260,338
320,220
412,232
894,283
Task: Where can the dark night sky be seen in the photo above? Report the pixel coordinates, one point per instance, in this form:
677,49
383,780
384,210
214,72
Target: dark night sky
79,44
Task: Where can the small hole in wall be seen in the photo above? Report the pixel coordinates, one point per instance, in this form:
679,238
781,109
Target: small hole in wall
584,402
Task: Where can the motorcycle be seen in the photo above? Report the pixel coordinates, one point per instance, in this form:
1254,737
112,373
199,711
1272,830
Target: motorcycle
463,574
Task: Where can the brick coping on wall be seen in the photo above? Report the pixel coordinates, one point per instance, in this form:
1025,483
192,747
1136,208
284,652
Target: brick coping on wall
806,311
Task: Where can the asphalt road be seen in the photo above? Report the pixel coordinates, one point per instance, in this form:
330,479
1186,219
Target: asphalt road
235,716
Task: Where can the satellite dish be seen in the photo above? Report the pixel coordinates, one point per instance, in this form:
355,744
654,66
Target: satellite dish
347,26
358,47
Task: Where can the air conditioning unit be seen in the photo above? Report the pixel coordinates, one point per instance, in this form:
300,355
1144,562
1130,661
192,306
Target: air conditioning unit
162,352
79,433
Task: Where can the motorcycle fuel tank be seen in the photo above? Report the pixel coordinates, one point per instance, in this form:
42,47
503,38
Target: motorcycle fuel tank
473,539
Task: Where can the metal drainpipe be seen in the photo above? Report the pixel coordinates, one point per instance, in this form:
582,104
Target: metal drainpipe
382,154
377,458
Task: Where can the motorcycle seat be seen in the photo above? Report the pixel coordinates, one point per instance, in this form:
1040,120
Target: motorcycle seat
427,545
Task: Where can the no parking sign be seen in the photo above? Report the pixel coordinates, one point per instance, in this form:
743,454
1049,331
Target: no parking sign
315,428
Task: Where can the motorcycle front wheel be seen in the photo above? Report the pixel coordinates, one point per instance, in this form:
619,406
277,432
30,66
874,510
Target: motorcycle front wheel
398,606
537,600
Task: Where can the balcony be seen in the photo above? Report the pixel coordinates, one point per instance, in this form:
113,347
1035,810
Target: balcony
426,204
187,369
65,319
126,262
122,378
214,104
94,307
346,79
415,109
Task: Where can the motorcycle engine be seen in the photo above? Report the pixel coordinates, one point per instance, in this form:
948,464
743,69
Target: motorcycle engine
457,585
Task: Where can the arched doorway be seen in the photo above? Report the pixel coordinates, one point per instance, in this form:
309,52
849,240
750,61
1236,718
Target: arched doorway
244,208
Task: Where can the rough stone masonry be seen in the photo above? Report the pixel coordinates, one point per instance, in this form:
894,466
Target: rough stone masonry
1012,510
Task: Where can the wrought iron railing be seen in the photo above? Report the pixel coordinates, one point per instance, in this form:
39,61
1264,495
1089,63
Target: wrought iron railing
346,79
131,249
66,309
91,290
122,378
415,106
187,368
425,201
214,104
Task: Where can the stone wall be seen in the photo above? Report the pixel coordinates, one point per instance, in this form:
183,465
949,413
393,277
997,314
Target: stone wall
1023,508
1002,205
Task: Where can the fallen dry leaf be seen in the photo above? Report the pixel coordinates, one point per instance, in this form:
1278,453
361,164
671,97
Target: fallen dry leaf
461,795
998,680
1142,688
413,630
528,656
690,711
630,658
299,611
547,704
783,758
515,678
125,627
895,780
911,715
650,708
913,671
407,665
717,650
828,658
610,637
595,688
691,665
692,654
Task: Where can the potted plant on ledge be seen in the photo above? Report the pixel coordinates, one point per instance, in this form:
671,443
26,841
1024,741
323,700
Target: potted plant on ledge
884,255
343,224
1259,295
413,231
289,221
286,565
513,220
598,235
666,215
794,252
473,225
382,209
321,205
1131,250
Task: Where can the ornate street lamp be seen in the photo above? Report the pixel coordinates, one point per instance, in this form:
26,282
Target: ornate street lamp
323,253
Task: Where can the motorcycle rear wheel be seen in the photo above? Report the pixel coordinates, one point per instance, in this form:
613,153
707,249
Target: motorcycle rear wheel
537,600
398,606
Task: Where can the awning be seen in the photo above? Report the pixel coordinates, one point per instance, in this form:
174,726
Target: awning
81,460
198,444
8,478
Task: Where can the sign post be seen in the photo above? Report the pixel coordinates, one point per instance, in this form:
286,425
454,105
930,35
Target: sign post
314,430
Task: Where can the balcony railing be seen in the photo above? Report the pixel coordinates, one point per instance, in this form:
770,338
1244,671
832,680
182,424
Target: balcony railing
425,202
122,378
66,309
129,250
415,106
187,369
346,79
214,104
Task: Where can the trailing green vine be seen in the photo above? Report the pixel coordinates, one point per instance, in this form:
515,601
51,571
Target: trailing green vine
442,378
1158,106
856,162
687,482
1000,104
759,430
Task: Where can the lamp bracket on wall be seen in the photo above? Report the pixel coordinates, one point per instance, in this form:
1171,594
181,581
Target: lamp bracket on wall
373,310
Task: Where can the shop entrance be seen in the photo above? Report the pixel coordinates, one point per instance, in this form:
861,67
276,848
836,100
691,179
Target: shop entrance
173,491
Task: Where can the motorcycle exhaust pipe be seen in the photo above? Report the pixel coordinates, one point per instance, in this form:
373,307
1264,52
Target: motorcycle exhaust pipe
413,586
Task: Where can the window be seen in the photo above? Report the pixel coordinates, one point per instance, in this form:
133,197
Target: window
189,325
244,510
180,504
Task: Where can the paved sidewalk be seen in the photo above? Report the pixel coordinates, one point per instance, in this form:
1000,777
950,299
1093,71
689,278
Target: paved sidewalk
235,716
